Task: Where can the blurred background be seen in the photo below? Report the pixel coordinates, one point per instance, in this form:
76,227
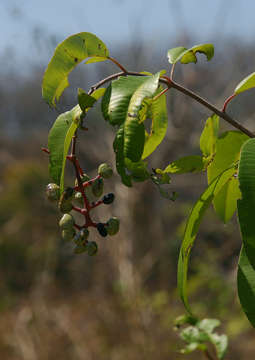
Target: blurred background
122,303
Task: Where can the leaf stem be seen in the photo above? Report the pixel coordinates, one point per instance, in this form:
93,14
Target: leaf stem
118,64
227,102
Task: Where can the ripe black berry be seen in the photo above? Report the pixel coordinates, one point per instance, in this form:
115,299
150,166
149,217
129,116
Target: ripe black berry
101,229
108,199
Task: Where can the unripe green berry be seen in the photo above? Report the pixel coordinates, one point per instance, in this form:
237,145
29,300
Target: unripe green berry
105,171
92,248
112,226
52,192
79,249
98,187
65,206
66,222
68,234
81,237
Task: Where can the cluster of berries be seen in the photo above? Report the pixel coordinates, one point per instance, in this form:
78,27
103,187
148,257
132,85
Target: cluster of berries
83,193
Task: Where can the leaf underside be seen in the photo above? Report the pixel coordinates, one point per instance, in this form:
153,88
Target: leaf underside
192,227
68,54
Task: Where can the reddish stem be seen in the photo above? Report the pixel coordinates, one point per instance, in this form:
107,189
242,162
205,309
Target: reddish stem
95,204
47,151
227,102
118,64
161,93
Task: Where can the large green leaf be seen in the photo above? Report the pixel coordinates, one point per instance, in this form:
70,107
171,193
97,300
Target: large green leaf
246,84
246,204
134,131
66,57
228,148
118,147
56,140
191,163
246,284
117,97
186,56
192,227
158,114
209,136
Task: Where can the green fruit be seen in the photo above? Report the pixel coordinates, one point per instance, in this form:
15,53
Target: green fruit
65,206
81,237
112,226
105,171
79,249
68,234
66,222
92,248
98,187
52,192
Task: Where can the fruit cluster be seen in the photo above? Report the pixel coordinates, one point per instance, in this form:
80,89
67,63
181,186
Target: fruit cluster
83,193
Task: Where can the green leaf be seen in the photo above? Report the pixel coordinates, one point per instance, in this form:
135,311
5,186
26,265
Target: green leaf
67,56
208,325
134,131
192,227
221,343
68,139
118,147
158,115
96,59
138,170
246,84
175,54
117,97
209,136
186,56
192,163
228,148
56,140
85,101
191,334
246,205
246,284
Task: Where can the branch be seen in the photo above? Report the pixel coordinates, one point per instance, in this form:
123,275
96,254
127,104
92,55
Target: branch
172,84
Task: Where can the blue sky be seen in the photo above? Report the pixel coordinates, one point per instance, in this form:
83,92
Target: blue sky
119,20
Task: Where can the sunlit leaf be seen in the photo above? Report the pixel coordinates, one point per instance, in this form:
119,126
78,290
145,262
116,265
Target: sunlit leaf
221,344
56,140
117,97
159,121
138,170
134,131
67,56
174,54
192,163
85,101
228,148
246,84
69,135
192,227
186,56
209,136
96,59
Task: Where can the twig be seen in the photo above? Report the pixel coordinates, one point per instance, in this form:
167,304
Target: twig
172,84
